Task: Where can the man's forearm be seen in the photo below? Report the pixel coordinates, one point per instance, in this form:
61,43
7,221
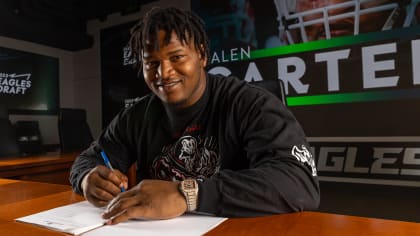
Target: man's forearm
81,166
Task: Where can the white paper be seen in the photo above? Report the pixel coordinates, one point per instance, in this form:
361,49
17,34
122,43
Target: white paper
186,225
73,219
84,218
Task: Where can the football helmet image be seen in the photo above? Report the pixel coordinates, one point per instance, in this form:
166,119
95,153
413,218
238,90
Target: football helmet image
310,20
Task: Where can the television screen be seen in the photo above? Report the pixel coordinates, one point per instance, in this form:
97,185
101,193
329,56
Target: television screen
29,83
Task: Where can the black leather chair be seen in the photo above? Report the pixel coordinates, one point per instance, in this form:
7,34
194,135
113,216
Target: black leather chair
8,143
28,137
74,131
275,86
3,112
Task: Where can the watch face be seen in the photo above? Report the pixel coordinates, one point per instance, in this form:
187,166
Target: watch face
189,184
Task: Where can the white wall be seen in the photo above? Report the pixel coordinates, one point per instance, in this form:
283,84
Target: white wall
80,72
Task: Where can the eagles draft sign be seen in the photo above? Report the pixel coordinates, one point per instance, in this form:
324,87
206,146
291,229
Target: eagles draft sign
14,84
351,69
29,83
332,84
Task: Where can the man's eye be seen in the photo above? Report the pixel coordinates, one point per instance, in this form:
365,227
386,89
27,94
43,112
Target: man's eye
177,57
151,64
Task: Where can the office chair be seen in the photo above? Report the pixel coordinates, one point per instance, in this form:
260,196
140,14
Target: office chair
3,112
73,129
28,137
8,143
275,86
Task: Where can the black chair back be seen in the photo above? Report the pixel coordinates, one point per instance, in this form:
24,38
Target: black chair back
28,137
275,86
74,131
3,112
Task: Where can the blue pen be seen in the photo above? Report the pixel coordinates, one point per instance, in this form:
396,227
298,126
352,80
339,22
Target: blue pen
108,164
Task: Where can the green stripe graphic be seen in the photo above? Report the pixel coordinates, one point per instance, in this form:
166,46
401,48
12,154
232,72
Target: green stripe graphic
353,97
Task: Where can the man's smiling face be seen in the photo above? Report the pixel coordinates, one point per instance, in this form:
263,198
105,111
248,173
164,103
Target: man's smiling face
174,71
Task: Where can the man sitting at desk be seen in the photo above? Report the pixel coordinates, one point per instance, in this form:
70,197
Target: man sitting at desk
202,142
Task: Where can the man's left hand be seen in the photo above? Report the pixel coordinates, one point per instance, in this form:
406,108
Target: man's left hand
150,199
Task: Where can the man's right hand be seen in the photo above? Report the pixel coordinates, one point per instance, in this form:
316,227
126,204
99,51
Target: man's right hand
101,185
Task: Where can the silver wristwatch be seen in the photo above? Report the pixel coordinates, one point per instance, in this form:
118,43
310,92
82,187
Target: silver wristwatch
189,188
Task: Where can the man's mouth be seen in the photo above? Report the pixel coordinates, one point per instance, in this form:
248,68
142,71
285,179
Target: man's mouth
167,85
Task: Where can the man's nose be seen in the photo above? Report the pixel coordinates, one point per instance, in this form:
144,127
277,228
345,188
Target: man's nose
165,69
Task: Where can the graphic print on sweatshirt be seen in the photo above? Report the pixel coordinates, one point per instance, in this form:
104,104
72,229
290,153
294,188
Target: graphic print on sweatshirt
189,156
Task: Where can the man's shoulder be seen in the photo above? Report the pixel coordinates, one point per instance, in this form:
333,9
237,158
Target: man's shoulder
219,79
233,87
140,105
137,100
226,85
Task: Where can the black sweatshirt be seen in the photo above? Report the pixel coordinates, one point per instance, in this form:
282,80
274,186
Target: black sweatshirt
247,150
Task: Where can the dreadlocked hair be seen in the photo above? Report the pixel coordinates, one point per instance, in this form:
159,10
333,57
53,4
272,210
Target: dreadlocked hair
186,25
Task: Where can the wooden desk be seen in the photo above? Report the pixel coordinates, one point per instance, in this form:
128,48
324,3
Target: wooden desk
50,168
315,223
21,198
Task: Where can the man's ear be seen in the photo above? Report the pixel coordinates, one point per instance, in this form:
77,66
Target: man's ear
204,61
203,56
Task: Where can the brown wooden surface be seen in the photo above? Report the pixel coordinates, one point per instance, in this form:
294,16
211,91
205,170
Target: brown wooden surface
21,198
315,224
51,168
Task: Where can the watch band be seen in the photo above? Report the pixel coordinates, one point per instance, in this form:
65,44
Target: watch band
189,188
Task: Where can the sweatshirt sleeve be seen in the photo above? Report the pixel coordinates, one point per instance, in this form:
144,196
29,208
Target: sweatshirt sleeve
281,176
114,141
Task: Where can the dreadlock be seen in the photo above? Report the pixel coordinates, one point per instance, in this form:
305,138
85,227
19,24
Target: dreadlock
186,25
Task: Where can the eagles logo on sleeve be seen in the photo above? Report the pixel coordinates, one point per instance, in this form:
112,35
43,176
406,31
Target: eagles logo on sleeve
304,156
